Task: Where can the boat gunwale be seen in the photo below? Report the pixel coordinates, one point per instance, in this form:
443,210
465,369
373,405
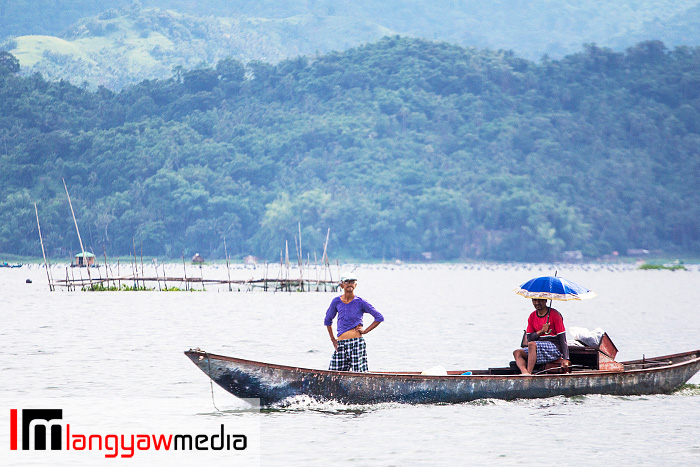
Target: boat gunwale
415,375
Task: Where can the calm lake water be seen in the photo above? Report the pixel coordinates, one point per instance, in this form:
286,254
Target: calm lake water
113,361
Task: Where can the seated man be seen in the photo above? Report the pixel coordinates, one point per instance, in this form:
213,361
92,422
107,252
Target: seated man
546,338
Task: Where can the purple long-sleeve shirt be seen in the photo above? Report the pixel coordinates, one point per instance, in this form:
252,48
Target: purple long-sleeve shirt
350,314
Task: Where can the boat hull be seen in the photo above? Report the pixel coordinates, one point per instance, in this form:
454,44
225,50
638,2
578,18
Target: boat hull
273,383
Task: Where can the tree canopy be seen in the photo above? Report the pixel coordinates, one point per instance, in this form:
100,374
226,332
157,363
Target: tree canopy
400,147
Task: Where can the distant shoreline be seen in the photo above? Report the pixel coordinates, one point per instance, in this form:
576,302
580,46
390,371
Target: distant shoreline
18,259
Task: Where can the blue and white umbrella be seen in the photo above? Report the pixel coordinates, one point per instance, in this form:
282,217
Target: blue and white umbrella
554,288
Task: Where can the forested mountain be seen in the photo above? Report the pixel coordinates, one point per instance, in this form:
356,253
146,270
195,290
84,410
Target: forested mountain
120,47
115,42
400,147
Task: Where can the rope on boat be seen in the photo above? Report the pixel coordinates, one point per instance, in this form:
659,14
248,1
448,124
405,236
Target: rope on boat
571,367
211,382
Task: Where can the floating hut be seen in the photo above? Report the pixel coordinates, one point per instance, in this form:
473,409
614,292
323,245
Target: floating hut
84,259
197,259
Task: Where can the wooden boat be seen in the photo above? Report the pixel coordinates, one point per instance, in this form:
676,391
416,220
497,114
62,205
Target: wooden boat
273,383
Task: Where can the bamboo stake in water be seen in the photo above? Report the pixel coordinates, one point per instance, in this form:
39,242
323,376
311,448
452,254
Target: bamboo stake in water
82,249
43,252
75,221
301,259
266,270
135,266
316,270
143,274
296,246
155,263
133,273
326,264
227,265
164,280
185,268
279,273
201,275
112,274
99,271
104,250
286,262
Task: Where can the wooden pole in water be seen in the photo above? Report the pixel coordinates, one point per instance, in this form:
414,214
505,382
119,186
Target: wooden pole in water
43,252
185,268
74,221
119,275
266,271
155,264
279,273
164,280
135,265
316,269
131,263
286,262
104,250
112,273
76,229
326,264
99,271
228,270
296,247
143,274
300,255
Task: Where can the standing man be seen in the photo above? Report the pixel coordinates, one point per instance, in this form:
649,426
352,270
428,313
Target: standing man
350,348
546,338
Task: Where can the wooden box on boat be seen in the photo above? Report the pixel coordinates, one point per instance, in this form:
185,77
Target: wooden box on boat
607,347
600,357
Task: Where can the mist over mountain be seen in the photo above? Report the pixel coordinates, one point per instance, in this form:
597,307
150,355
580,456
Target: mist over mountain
116,42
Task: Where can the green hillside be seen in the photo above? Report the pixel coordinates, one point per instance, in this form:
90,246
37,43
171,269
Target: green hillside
400,147
125,46
117,42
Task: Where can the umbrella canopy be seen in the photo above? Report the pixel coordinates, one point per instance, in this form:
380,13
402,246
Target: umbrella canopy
554,288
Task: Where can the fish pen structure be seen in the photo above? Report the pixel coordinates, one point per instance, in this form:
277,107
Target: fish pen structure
142,280
194,283
309,278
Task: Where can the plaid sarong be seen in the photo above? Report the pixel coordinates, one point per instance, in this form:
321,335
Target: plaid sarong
351,355
547,351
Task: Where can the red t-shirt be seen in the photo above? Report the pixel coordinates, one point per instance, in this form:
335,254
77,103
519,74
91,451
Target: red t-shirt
556,323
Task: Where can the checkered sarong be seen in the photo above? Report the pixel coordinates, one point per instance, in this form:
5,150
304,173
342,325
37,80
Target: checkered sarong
351,355
547,351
